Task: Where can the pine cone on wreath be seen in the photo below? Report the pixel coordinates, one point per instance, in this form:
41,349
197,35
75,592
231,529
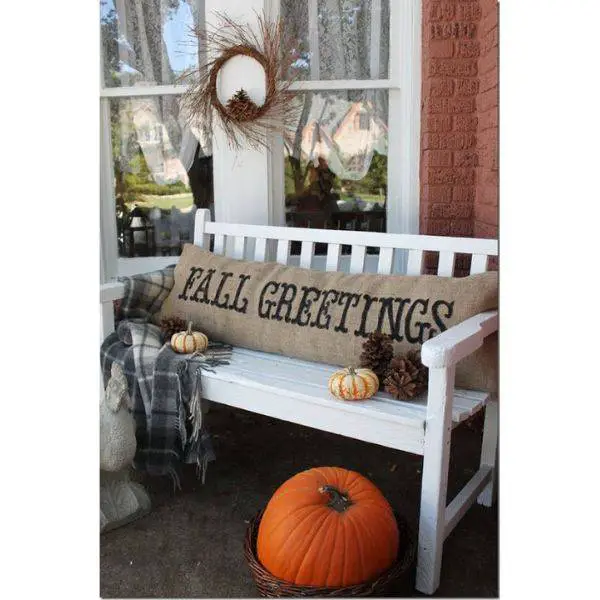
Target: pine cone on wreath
406,377
241,107
377,353
172,325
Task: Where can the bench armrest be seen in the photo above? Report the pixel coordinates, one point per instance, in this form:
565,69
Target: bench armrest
447,348
111,291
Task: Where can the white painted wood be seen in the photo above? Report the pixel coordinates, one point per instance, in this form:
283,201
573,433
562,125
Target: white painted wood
108,293
313,39
239,247
415,262
366,238
386,260
142,90
479,263
465,499
201,238
404,122
446,264
276,370
357,259
219,245
343,84
306,254
240,176
333,257
283,251
375,39
260,249
448,347
436,456
109,252
107,319
489,451
144,264
113,290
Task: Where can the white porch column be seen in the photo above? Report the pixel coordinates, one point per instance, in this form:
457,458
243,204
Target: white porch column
241,178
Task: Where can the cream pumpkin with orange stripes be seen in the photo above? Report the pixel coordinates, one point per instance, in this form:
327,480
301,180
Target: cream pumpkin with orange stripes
187,342
353,384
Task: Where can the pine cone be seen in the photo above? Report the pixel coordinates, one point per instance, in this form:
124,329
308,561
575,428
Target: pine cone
400,384
172,325
406,376
241,107
377,353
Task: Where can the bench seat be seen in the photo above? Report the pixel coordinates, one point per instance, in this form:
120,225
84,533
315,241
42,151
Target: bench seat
296,390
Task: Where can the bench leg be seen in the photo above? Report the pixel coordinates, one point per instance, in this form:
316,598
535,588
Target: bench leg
432,520
489,451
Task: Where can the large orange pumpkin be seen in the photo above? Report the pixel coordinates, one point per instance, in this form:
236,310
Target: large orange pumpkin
327,527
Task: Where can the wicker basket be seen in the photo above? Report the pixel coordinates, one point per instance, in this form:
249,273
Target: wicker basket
270,586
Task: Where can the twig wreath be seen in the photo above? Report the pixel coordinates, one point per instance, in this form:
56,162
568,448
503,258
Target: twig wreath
241,118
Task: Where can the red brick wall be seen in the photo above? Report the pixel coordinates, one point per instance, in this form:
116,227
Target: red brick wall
485,222
459,119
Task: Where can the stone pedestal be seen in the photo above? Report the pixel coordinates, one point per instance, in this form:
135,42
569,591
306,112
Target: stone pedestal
121,500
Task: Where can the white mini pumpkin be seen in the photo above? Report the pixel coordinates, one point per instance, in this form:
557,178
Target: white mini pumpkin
353,384
188,342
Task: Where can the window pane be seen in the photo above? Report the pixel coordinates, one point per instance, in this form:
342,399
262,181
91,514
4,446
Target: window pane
363,25
162,174
147,42
336,161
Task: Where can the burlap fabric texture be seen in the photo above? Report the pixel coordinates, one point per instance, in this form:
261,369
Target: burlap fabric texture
326,316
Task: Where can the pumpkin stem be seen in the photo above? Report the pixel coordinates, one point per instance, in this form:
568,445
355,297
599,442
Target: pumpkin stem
351,371
338,501
189,329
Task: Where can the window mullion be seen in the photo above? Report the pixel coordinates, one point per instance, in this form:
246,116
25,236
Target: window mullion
343,84
142,90
108,218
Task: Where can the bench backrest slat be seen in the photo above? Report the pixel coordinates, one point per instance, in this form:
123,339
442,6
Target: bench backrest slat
306,253
283,251
357,259
446,264
333,257
260,249
219,244
254,242
386,261
415,262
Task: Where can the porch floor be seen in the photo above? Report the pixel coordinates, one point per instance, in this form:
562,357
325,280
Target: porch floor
191,543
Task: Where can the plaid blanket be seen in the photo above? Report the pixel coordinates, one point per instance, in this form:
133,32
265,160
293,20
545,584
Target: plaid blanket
165,387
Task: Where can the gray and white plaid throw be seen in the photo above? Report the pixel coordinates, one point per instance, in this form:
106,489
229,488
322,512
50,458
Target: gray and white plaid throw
165,387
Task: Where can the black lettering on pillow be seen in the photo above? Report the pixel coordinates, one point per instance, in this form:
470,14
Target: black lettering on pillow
361,331
194,273
305,305
395,321
350,299
422,326
216,301
437,317
285,300
203,288
262,312
243,307
322,320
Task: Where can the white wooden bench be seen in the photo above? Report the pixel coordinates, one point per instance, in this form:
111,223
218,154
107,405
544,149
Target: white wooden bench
296,391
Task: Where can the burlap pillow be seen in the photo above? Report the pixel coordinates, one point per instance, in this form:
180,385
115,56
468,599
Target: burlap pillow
325,317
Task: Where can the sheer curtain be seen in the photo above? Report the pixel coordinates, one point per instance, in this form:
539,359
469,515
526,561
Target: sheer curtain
154,46
344,128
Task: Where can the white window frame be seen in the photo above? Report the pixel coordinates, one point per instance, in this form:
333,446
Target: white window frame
249,185
404,118
111,265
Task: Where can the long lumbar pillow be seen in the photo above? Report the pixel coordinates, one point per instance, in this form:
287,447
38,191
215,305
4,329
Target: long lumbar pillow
326,316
